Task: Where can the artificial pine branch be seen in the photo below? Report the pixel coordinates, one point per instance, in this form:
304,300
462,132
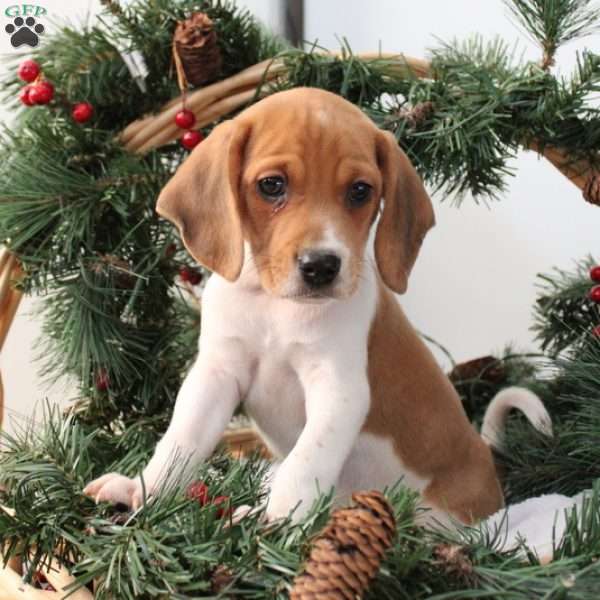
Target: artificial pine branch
564,315
555,22
173,546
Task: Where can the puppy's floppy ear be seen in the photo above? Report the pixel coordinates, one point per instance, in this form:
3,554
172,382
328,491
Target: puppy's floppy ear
203,200
407,214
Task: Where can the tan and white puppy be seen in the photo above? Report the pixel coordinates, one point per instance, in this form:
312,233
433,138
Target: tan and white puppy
299,319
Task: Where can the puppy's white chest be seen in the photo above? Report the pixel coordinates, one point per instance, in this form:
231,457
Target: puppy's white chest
278,343
276,403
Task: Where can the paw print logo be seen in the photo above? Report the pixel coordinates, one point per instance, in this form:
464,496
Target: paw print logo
24,31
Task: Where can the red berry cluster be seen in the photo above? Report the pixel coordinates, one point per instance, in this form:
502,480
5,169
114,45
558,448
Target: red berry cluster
41,91
198,491
186,119
594,294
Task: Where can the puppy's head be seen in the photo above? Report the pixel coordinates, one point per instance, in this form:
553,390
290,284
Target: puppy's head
300,177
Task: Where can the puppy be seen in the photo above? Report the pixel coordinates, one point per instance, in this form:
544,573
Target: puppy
300,322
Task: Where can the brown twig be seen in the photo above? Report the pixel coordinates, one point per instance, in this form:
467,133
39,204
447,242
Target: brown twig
576,171
153,131
139,132
12,585
211,113
9,296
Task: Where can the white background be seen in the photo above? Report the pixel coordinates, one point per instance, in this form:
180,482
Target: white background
473,286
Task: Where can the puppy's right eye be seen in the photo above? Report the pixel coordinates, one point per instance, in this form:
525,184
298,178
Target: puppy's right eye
272,188
359,194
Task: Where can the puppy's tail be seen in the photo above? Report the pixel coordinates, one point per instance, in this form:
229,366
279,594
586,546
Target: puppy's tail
492,430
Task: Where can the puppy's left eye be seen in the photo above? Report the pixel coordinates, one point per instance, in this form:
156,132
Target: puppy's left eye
359,193
272,188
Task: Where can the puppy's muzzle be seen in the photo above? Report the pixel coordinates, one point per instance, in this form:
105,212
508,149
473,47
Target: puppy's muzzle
318,268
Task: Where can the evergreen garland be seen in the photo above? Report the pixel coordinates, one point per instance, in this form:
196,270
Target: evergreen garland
78,211
563,309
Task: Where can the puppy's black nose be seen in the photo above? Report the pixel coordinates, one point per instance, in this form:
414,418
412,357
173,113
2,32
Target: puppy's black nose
318,268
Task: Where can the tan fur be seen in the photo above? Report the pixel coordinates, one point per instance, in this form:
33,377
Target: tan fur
204,201
407,215
414,404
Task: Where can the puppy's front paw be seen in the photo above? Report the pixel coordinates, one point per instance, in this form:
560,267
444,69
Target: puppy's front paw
117,489
283,504
280,508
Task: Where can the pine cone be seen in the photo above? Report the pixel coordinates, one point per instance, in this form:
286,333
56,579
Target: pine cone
113,6
486,368
591,190
417,115
346,556
108,264
422,111
455,562
196,51
220,578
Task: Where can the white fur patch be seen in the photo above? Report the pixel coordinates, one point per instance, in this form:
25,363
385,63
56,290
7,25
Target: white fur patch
330,241
538,522
374,463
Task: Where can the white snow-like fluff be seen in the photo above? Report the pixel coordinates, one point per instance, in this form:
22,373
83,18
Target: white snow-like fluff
539,523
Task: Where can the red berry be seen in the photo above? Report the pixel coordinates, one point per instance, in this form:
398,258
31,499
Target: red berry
198,491
596,331
185,119
82,112
595,273
102,381
594,294
190,275
184,273
190,139
195,277
224,507
24,95
42,92
170,250
29,70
